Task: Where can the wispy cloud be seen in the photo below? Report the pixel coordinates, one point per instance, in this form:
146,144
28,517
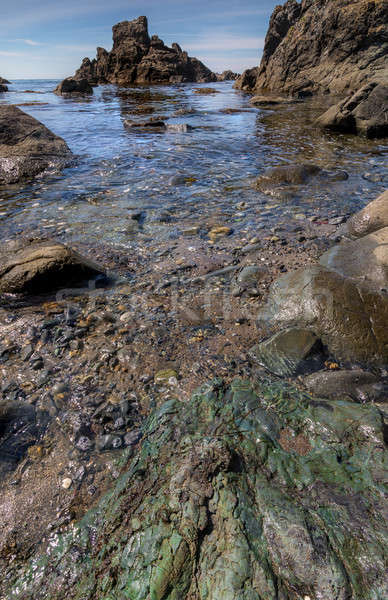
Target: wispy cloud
226,42
5,53
28,42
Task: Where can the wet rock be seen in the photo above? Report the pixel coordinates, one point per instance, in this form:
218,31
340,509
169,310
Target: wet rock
286,352
179,127
235,494
335,49
371,218
153,124
3,88
37,267
137,58
219,232
206,91
270,100
27,147
4,81
358,385
295,174
166,376
84,444
363,261
73,87
132,437
349,319
363,113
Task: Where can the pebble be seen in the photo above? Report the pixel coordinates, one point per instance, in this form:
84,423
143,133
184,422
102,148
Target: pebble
84,444
66,483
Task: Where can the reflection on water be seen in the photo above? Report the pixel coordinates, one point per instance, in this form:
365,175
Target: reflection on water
193,175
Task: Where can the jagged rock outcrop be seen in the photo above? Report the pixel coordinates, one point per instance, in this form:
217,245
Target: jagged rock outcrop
227,76
73,87
137,58
331,46
27,147
363,113
2,80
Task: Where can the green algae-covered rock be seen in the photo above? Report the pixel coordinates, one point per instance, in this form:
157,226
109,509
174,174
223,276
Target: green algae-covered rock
241,494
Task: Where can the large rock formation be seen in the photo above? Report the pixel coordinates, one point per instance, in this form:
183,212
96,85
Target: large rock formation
365,112
137,58
73,87
27,147
331,46
234,495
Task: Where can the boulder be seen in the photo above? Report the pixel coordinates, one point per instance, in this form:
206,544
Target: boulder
363,261
317,46
3,88
34,267
353,384
286,353
73,87
371,218
27,147
137,58
363,113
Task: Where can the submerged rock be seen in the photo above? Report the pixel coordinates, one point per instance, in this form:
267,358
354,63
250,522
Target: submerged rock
271,100
363,113
356,385
235,494
35,267
73,87
27,147
331,46
136,58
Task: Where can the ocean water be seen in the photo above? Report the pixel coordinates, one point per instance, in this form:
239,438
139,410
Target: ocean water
204,172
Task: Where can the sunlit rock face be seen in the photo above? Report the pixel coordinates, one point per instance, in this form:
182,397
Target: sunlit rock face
137,58
320,46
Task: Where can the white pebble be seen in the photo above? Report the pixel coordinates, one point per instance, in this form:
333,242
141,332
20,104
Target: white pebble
66,483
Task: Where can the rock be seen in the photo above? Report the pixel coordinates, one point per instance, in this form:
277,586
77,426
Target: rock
251,274
138,59
363,113
349,319
3,88
166,377
270,100
73,87
66,483
179,127
334,46
206,91
218,232
371,218
356,384
286,352
154,124
363,261
27,147
35,267
294,174
227,76
3,81
234,494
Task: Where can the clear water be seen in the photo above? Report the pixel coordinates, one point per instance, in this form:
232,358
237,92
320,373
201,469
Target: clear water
118,170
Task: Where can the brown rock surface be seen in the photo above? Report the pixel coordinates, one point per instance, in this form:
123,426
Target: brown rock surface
73,87
371,218
365,113
27,147
35,267
322,45
137,58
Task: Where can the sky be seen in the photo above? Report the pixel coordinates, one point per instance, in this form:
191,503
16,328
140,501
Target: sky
47,39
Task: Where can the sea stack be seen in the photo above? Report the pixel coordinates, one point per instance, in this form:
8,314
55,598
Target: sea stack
137,58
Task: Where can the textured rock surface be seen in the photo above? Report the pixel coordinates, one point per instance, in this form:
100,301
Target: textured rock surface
322,45
3,81
3,88
355,385
73,87
138,58
371,218
364,113
227,76
35,267
27,147
234,495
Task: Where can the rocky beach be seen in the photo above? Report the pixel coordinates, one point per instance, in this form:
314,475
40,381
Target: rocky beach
194,319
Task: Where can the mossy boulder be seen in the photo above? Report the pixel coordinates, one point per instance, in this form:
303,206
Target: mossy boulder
239,494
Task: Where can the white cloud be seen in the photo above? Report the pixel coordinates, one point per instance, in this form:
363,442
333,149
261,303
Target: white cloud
4,53
28,42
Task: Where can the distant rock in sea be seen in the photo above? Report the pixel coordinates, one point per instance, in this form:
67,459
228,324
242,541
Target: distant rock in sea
27,147
322,46
227,76
73,87
137,58
3,87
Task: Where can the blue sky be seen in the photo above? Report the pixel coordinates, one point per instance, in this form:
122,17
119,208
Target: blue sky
49,38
